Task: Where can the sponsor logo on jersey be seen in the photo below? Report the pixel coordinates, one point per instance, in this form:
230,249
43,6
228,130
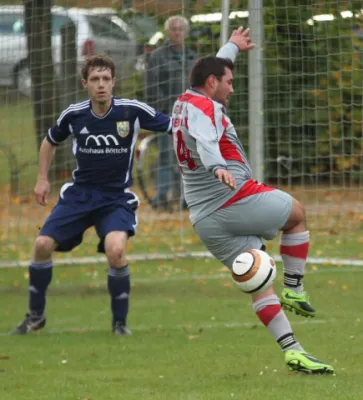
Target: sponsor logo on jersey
123,128
100,140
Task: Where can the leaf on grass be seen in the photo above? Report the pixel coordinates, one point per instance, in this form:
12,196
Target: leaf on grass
79,330
4,357
186,327
192,337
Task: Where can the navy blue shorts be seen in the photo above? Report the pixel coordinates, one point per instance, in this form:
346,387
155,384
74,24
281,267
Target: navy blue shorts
79,208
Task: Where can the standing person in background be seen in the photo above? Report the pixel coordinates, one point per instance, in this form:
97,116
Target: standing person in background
167,76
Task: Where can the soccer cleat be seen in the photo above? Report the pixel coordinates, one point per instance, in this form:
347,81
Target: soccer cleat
299,361
32,322
299,303
120,329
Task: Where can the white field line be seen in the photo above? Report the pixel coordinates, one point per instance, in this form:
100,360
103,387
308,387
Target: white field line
190,329
194,277
173,256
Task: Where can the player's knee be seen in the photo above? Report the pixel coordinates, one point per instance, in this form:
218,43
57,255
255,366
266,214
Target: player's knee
297,217
299,211
44,246
115,253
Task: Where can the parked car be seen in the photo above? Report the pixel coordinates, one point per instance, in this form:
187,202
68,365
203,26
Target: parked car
106,34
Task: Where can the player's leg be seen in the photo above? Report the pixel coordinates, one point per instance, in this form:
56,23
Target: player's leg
264,214
215,232
62,231
118,280
40,276
267,307
115,223
294,247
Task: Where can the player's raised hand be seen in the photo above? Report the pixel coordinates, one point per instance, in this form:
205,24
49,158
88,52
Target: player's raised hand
226,177
41,191
241,38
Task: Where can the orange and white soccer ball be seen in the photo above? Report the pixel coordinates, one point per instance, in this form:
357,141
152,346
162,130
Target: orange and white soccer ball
254,271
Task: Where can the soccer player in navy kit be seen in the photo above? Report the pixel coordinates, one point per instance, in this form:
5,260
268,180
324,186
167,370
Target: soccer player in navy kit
104,130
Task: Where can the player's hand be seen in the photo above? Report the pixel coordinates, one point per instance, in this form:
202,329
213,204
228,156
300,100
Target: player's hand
41,191
226,177
241,38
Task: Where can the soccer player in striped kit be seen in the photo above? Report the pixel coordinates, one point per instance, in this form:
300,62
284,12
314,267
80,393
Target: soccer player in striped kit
231,212
104,130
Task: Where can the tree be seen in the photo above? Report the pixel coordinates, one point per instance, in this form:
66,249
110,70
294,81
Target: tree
38,28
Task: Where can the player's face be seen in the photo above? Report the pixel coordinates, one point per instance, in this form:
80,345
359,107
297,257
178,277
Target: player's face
99,85
224,88
177,32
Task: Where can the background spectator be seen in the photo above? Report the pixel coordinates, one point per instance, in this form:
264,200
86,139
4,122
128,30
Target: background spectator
167,76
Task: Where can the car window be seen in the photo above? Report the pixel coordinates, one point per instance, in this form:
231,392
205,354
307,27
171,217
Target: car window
105,28
144,26
58,21
11,24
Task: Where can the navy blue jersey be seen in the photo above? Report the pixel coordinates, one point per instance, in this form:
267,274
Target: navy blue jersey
104,146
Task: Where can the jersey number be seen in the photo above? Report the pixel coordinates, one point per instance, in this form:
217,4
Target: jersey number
184,154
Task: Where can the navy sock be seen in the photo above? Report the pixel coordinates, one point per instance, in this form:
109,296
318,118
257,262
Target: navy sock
119,289
40,275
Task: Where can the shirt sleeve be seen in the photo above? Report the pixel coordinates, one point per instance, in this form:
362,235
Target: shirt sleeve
205,126
60,132
229,50
153,120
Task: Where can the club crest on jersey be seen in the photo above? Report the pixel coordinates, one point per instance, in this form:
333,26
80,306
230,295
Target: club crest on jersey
123,128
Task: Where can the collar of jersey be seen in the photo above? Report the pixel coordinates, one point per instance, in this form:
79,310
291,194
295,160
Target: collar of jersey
195,92
108,112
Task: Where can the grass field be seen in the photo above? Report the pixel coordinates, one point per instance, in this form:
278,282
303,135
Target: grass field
194,337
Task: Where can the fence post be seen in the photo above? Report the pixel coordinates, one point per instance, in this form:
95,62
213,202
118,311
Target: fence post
224,21
255,90
68,94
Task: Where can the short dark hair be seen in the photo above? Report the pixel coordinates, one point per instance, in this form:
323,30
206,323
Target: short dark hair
97,61
207,66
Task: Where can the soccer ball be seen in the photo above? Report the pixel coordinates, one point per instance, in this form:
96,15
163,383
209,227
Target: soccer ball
253,271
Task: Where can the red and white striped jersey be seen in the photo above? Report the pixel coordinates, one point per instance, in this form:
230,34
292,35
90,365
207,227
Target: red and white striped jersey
204,140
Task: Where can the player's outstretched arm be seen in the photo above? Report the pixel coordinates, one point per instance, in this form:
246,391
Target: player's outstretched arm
42,187
238,41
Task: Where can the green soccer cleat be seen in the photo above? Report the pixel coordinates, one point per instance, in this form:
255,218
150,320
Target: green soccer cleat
299,361
299,303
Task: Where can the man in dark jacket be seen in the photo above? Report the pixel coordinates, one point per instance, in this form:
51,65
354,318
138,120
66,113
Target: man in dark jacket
167,76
